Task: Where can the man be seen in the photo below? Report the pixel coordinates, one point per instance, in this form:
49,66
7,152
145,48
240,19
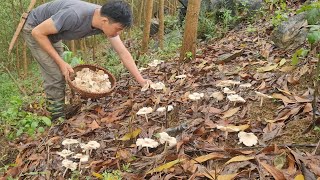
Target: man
59,20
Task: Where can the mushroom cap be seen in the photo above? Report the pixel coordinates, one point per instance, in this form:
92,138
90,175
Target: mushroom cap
196,96
164,137
180,76
217,95
65,153
263,95
248,139
69,164
93,144
157,86
162,109
235,98
144,110
155,63
69,141
82,157
147,142
228,91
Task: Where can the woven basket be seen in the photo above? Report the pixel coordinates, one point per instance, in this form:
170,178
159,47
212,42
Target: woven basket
88,94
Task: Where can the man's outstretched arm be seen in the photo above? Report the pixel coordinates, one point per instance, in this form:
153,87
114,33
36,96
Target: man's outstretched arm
127,59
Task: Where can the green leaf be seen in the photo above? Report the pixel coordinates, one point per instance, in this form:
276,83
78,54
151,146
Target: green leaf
313,37
19,132
40,129
46,121
131,135
34,124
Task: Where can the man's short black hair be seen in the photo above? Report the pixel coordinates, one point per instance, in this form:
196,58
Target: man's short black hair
118,11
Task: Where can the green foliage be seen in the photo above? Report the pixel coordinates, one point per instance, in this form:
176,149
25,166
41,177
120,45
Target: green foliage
301,53
313,12
70,58
314,34
114,175
207,26
278,17
251,29
20,121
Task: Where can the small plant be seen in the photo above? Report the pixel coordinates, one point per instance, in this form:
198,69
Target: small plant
69,57
113,175
251,29
18,121
189,55
301,53
279,16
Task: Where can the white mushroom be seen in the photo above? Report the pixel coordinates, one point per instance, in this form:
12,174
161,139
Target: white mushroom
90,146
157,86
164,137
145,111
69,165
154,63
235,98
228,91
217,95
180,76
82,157
248,139
145,87
65,153
68,142
195,96
162,109
262,96
147,142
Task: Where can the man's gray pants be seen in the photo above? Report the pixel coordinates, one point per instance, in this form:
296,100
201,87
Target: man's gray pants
54,82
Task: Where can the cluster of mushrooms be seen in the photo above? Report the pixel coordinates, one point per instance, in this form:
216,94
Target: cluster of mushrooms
86,148
248,139
92,81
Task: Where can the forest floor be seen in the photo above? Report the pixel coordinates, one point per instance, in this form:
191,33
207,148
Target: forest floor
206,130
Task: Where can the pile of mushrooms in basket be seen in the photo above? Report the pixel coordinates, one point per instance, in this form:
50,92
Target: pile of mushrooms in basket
92,81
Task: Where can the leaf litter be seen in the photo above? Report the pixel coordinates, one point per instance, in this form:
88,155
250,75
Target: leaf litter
206,128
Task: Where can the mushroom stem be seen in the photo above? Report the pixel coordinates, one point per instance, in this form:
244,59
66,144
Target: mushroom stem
146,117
148,150
64,173
261,101
79,165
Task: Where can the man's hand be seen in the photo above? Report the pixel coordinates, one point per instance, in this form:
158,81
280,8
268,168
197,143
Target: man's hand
66,69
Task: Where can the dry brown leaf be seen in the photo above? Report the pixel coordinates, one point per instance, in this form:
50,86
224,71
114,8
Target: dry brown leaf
230,112
301,100
287,69
278,175
207,157
285,99
307,108
94,125
227,177
239,159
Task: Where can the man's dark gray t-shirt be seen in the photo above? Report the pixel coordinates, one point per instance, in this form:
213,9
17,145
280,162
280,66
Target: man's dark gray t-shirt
72,18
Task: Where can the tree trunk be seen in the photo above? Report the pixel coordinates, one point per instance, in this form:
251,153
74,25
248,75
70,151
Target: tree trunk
161,23
190,32
140,13
146,29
